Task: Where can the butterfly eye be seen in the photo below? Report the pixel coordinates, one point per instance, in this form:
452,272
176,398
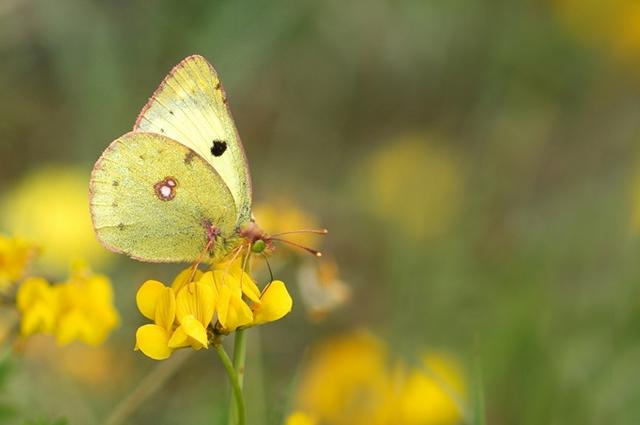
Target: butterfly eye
258,246
166,188
218,148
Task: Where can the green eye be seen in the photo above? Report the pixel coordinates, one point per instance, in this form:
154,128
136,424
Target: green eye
258,246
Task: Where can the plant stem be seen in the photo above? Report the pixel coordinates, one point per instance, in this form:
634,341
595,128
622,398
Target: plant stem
239,355
236,385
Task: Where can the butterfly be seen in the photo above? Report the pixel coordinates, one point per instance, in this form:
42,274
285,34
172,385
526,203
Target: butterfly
180,180
177,188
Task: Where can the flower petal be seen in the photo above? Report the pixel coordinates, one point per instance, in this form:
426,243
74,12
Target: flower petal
30,291
224,297
71,326
179,338
40,317
249,288
276,303
238,313
184,277
197,300
195,330
166,309
147,297
153,341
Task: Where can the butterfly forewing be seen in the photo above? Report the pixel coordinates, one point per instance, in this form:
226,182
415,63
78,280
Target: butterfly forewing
155,199
190,107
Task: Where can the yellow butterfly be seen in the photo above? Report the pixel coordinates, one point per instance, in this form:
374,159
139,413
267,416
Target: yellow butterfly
177,187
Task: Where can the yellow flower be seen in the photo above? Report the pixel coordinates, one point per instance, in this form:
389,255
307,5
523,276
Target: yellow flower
300,418
414,184
231,284
86,308
348,382
80,308
38,302
439,382
50,207
183,313
273,303
15,255
180,319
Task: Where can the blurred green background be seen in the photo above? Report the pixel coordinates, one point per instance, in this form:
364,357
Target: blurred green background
476,163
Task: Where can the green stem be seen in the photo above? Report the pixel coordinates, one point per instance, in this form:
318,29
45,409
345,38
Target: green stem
239,356
236,384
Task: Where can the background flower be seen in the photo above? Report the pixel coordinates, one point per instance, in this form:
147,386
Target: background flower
50,206
413,184
350,379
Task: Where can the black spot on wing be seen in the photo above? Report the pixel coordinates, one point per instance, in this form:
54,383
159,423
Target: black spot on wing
218,147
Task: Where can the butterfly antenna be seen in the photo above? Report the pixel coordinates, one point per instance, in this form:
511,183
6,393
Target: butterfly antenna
311,251
270,273
314,231
266,259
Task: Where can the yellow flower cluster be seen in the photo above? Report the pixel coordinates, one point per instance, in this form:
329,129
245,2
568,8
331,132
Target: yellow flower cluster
348,382
81,308
183,312
15,255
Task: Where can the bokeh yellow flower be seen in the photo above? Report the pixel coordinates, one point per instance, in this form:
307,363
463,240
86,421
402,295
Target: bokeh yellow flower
183,313
15,256
612,26
300,418
412,184
349,381
80,308
439,381
50,207
38,303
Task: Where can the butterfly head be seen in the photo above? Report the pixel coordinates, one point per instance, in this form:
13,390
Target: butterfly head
263,243
258,240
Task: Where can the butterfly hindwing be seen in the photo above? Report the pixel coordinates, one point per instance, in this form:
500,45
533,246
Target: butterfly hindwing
153,198
190,106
